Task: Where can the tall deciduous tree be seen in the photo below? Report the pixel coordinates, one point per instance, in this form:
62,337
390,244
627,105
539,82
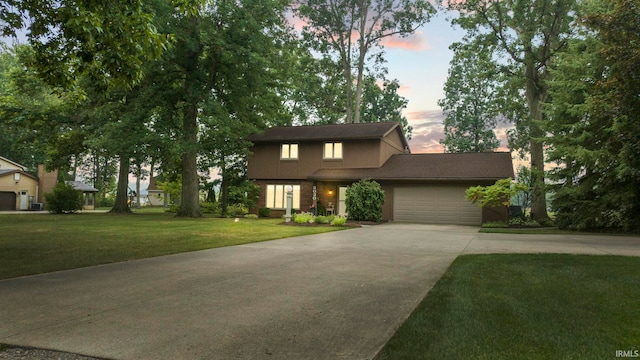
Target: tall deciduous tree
527,35
108,40
350,31
24,100
470,106
381,102
223,68
315,94
38,123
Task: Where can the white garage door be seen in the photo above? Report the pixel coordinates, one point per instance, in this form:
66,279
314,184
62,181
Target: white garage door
435,205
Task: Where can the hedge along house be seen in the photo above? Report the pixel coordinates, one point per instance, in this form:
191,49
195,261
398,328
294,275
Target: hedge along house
319,162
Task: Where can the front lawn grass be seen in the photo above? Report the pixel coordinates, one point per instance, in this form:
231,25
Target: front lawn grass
33,244
526,307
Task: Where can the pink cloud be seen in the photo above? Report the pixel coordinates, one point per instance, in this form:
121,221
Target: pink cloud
404,89
413,42
428,130
296,22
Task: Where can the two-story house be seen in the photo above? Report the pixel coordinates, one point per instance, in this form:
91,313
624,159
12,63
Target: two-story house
319,162
20,190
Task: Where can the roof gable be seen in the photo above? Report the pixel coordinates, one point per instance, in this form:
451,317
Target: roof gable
333,132
8,164
6,172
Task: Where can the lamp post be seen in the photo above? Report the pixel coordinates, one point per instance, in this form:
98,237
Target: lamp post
287,215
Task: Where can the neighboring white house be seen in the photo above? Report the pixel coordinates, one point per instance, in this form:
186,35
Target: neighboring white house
155,196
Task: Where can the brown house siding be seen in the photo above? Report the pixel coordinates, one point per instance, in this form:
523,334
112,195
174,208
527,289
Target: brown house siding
265,162
376,151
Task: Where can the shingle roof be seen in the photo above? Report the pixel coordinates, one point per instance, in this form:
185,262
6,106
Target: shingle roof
81,187
429,167
339,132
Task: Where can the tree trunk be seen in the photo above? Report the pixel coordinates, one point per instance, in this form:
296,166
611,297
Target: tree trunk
121,206
138,175
535,98
190,205
346,69
190,202
362,54
97,182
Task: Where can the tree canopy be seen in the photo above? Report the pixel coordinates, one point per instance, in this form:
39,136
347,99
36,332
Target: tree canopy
524,38
595,134
350,33
470,104
108,40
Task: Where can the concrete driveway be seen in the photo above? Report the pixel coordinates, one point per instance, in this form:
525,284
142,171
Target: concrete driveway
338,295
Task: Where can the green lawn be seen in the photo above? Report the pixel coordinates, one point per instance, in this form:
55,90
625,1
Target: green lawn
32,244
526,307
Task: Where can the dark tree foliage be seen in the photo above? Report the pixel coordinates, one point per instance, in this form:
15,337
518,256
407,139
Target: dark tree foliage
108,40
525,36
595,136
470,105
382,103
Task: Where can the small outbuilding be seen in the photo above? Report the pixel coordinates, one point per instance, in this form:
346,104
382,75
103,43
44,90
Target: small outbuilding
89,194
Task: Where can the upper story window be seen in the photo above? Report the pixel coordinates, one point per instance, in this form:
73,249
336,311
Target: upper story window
289,151
333,150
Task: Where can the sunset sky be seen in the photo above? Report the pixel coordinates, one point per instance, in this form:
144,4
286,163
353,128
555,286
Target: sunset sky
421,64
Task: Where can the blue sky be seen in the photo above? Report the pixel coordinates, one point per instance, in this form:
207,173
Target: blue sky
421,64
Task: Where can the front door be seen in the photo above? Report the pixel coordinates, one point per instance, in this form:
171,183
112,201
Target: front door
342,196
24,200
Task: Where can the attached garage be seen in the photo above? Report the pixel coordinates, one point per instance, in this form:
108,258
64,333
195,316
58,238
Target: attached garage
437,204
7,201
430,188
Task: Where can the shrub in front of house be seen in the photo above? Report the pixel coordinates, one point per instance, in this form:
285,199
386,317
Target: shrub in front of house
264,212
237,210
251,216
304,218
339,221
364,201
210,208
64,199
323,219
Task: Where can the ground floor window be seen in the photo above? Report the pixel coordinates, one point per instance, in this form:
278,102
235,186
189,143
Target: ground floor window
276,197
